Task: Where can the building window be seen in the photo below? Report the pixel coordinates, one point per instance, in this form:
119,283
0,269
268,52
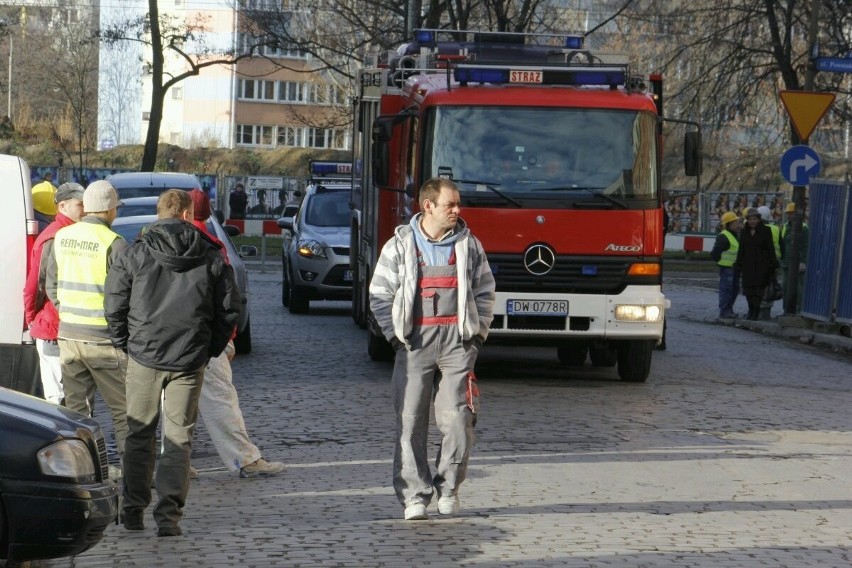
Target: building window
177,93
253,135
291,91
290,136
317,138
257,90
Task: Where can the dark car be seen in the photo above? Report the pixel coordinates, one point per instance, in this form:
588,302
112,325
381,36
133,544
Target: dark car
56,498
143,184
130,227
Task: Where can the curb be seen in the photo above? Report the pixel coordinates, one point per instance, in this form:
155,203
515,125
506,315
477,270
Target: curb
835,343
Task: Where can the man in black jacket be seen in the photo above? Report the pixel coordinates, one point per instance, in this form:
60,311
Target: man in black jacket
171,303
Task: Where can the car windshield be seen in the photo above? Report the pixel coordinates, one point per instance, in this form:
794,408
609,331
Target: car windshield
130,230
135,210
328,209
531,154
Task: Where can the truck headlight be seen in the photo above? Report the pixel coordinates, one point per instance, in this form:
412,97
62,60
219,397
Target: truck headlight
67,458
312,249
639,313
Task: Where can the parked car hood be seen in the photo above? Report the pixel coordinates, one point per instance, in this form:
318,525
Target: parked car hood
332,236
16,406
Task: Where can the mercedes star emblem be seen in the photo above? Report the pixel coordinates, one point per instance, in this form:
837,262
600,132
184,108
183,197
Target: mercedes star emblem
539,259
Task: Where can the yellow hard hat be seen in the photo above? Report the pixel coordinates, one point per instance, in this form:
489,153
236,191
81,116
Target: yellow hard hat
728,217
791,208
43,201
744,212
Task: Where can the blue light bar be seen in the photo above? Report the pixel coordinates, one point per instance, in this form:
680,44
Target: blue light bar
427,37
326,168
574,42
609,77
481,75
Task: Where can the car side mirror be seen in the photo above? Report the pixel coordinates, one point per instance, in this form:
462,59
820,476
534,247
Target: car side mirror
247,251
285,223
692,161
231,230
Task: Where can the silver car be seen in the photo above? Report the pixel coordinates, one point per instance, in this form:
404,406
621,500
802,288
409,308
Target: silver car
315,253
132,226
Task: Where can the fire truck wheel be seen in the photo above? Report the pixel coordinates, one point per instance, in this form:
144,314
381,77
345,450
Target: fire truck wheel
634,360
603,356
378,348
572,355
359,312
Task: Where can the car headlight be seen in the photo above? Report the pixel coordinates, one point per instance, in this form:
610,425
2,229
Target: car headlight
312,249
67,458
638,313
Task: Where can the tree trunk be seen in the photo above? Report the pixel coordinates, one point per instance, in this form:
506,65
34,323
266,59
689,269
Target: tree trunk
152,139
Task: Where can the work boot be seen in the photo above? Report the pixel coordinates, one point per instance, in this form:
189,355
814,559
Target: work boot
261,467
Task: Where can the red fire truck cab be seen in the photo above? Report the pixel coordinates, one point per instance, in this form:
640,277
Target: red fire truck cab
556,151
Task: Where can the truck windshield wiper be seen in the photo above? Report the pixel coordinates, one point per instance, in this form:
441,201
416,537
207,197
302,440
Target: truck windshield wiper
593,190
491,186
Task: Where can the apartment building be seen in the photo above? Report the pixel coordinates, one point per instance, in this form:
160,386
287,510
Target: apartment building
269,101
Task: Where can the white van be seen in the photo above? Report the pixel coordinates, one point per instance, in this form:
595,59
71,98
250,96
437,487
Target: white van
18,230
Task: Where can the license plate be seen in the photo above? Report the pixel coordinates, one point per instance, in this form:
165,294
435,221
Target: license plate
537,307
347,275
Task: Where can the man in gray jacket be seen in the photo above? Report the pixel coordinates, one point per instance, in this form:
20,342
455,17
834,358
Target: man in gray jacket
432,295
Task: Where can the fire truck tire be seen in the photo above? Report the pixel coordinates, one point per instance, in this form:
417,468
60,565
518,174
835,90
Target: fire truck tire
378,348
359,311
572,355
634,360
603,356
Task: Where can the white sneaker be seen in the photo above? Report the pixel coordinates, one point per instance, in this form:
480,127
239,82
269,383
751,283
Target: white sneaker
449,505
416,512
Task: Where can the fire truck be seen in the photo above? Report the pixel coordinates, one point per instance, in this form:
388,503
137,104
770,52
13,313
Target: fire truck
556,150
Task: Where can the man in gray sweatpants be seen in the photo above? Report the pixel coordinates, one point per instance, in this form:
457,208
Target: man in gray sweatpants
432,295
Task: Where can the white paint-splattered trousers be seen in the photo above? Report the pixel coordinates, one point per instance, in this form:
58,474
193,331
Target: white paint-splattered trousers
220,411
50,367
438,363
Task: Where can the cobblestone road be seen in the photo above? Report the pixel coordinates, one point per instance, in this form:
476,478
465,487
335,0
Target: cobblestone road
736,452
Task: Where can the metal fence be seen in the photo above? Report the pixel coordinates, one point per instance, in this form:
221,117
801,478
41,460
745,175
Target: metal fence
828,280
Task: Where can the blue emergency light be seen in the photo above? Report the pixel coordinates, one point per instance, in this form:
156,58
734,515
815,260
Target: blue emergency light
426,37
481,75
574,42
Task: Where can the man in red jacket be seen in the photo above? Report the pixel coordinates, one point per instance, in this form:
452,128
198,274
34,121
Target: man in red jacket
41,316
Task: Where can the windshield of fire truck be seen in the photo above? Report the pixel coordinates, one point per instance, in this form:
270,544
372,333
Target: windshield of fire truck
534,155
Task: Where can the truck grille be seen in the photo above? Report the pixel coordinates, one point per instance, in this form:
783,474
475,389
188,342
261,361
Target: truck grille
570,275
102,458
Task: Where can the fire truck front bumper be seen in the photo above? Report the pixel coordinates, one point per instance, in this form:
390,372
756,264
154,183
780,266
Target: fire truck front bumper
636,313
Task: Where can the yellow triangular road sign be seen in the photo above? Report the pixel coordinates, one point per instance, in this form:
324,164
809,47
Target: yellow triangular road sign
806,109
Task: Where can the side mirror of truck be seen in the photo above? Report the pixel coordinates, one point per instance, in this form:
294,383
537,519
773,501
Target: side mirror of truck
382,134
692,160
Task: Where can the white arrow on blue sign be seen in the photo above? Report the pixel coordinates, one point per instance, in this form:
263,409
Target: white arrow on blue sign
799,164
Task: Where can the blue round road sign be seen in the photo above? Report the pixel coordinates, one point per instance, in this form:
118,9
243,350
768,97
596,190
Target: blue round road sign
799,164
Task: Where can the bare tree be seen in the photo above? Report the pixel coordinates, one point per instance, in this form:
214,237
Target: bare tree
162,35
726,61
